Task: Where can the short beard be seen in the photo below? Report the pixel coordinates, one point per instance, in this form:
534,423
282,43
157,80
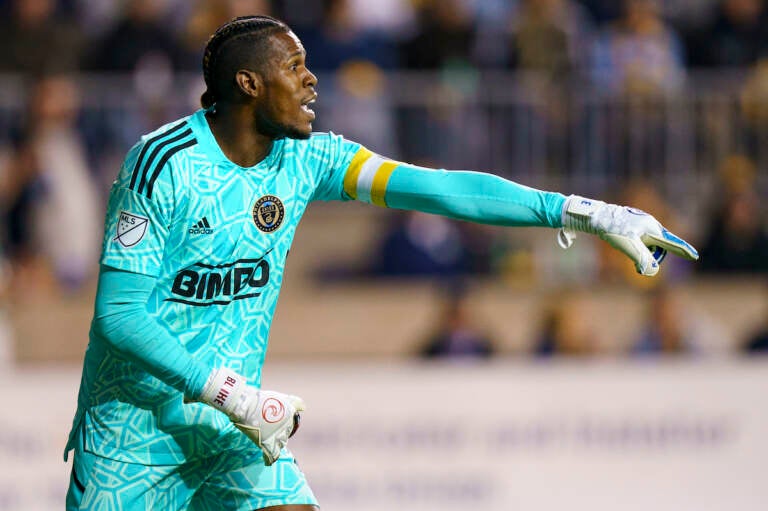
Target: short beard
276,130
295,134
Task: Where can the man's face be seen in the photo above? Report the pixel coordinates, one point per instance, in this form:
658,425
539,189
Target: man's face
289,90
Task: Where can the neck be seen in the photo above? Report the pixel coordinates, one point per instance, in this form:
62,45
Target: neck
235,132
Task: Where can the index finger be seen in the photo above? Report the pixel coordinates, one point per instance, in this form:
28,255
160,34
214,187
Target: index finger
673,243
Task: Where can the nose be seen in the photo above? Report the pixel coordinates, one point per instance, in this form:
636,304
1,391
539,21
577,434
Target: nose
310,80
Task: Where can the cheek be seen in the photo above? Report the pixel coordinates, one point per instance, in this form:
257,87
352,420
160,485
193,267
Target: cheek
285,105
276,109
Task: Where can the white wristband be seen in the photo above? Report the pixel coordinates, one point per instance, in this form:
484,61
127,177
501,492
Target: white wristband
223,390
578,213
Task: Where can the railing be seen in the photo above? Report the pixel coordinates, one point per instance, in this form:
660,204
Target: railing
565,136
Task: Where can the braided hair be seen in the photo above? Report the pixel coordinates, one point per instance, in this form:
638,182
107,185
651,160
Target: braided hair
219,66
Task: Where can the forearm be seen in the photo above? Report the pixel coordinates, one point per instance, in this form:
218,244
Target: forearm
122,320
473,196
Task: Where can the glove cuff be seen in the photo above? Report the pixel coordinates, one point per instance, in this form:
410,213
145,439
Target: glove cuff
223,390
579,214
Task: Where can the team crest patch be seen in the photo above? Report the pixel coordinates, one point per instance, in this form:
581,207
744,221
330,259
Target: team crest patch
268,213
130,229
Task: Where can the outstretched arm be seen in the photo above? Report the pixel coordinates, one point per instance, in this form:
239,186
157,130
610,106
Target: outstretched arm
489,199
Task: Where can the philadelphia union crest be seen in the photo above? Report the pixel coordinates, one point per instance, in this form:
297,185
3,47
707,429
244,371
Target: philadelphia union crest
268,213
130,229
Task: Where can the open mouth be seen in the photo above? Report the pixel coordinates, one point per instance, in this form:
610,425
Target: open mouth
305,105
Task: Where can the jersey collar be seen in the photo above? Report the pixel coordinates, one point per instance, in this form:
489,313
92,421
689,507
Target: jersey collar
208,143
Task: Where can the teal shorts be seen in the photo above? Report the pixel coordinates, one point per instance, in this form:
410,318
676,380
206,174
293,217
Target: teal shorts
237,481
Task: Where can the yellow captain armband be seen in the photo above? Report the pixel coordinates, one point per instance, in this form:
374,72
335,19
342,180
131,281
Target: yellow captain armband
367,176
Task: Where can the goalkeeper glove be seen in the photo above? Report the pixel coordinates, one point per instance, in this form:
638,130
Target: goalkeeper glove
635,233
266,417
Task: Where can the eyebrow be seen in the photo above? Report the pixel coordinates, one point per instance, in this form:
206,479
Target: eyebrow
298,53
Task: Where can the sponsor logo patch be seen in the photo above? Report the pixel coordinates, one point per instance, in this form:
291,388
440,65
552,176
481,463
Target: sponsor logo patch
203,284
130,229
268,213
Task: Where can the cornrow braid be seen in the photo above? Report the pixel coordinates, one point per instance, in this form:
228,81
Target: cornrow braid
257,26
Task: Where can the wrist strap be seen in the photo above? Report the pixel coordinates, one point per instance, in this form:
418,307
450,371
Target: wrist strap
223,389
578,214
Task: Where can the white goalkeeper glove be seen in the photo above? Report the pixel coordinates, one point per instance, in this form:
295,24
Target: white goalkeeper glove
635,233
266,417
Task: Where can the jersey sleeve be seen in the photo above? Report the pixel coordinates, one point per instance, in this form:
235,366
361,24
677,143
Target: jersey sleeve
332,156
139,214
121,319
463,195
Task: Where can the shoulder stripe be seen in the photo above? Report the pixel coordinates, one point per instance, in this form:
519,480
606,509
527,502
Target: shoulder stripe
145,148
159,147
164,160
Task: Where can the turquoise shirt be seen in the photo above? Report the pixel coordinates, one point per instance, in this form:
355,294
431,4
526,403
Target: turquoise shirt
215,237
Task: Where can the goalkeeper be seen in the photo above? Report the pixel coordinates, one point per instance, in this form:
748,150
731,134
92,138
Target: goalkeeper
200,219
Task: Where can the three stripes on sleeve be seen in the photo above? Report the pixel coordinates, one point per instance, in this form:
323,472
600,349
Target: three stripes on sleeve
155,153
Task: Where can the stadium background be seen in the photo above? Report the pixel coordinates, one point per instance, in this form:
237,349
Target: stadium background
445,364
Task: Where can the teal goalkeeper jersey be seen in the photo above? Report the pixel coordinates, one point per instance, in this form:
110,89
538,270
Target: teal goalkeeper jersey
215,235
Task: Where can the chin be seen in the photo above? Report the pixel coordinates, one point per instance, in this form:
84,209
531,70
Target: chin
299,134
284,130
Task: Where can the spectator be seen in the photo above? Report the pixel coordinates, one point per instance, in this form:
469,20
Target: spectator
545,40
737,36
337,40
444,37
736,238
565,329
549,36
417,244
639,54
140,45
455,334
52,216
34,41
139,41
670,329
21,190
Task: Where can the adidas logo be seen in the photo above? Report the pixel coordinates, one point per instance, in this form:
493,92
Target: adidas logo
201,227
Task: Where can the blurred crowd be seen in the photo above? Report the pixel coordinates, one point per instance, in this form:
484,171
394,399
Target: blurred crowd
569,326
624,43
58,153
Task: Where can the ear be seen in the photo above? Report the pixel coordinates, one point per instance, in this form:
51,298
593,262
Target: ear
249,82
